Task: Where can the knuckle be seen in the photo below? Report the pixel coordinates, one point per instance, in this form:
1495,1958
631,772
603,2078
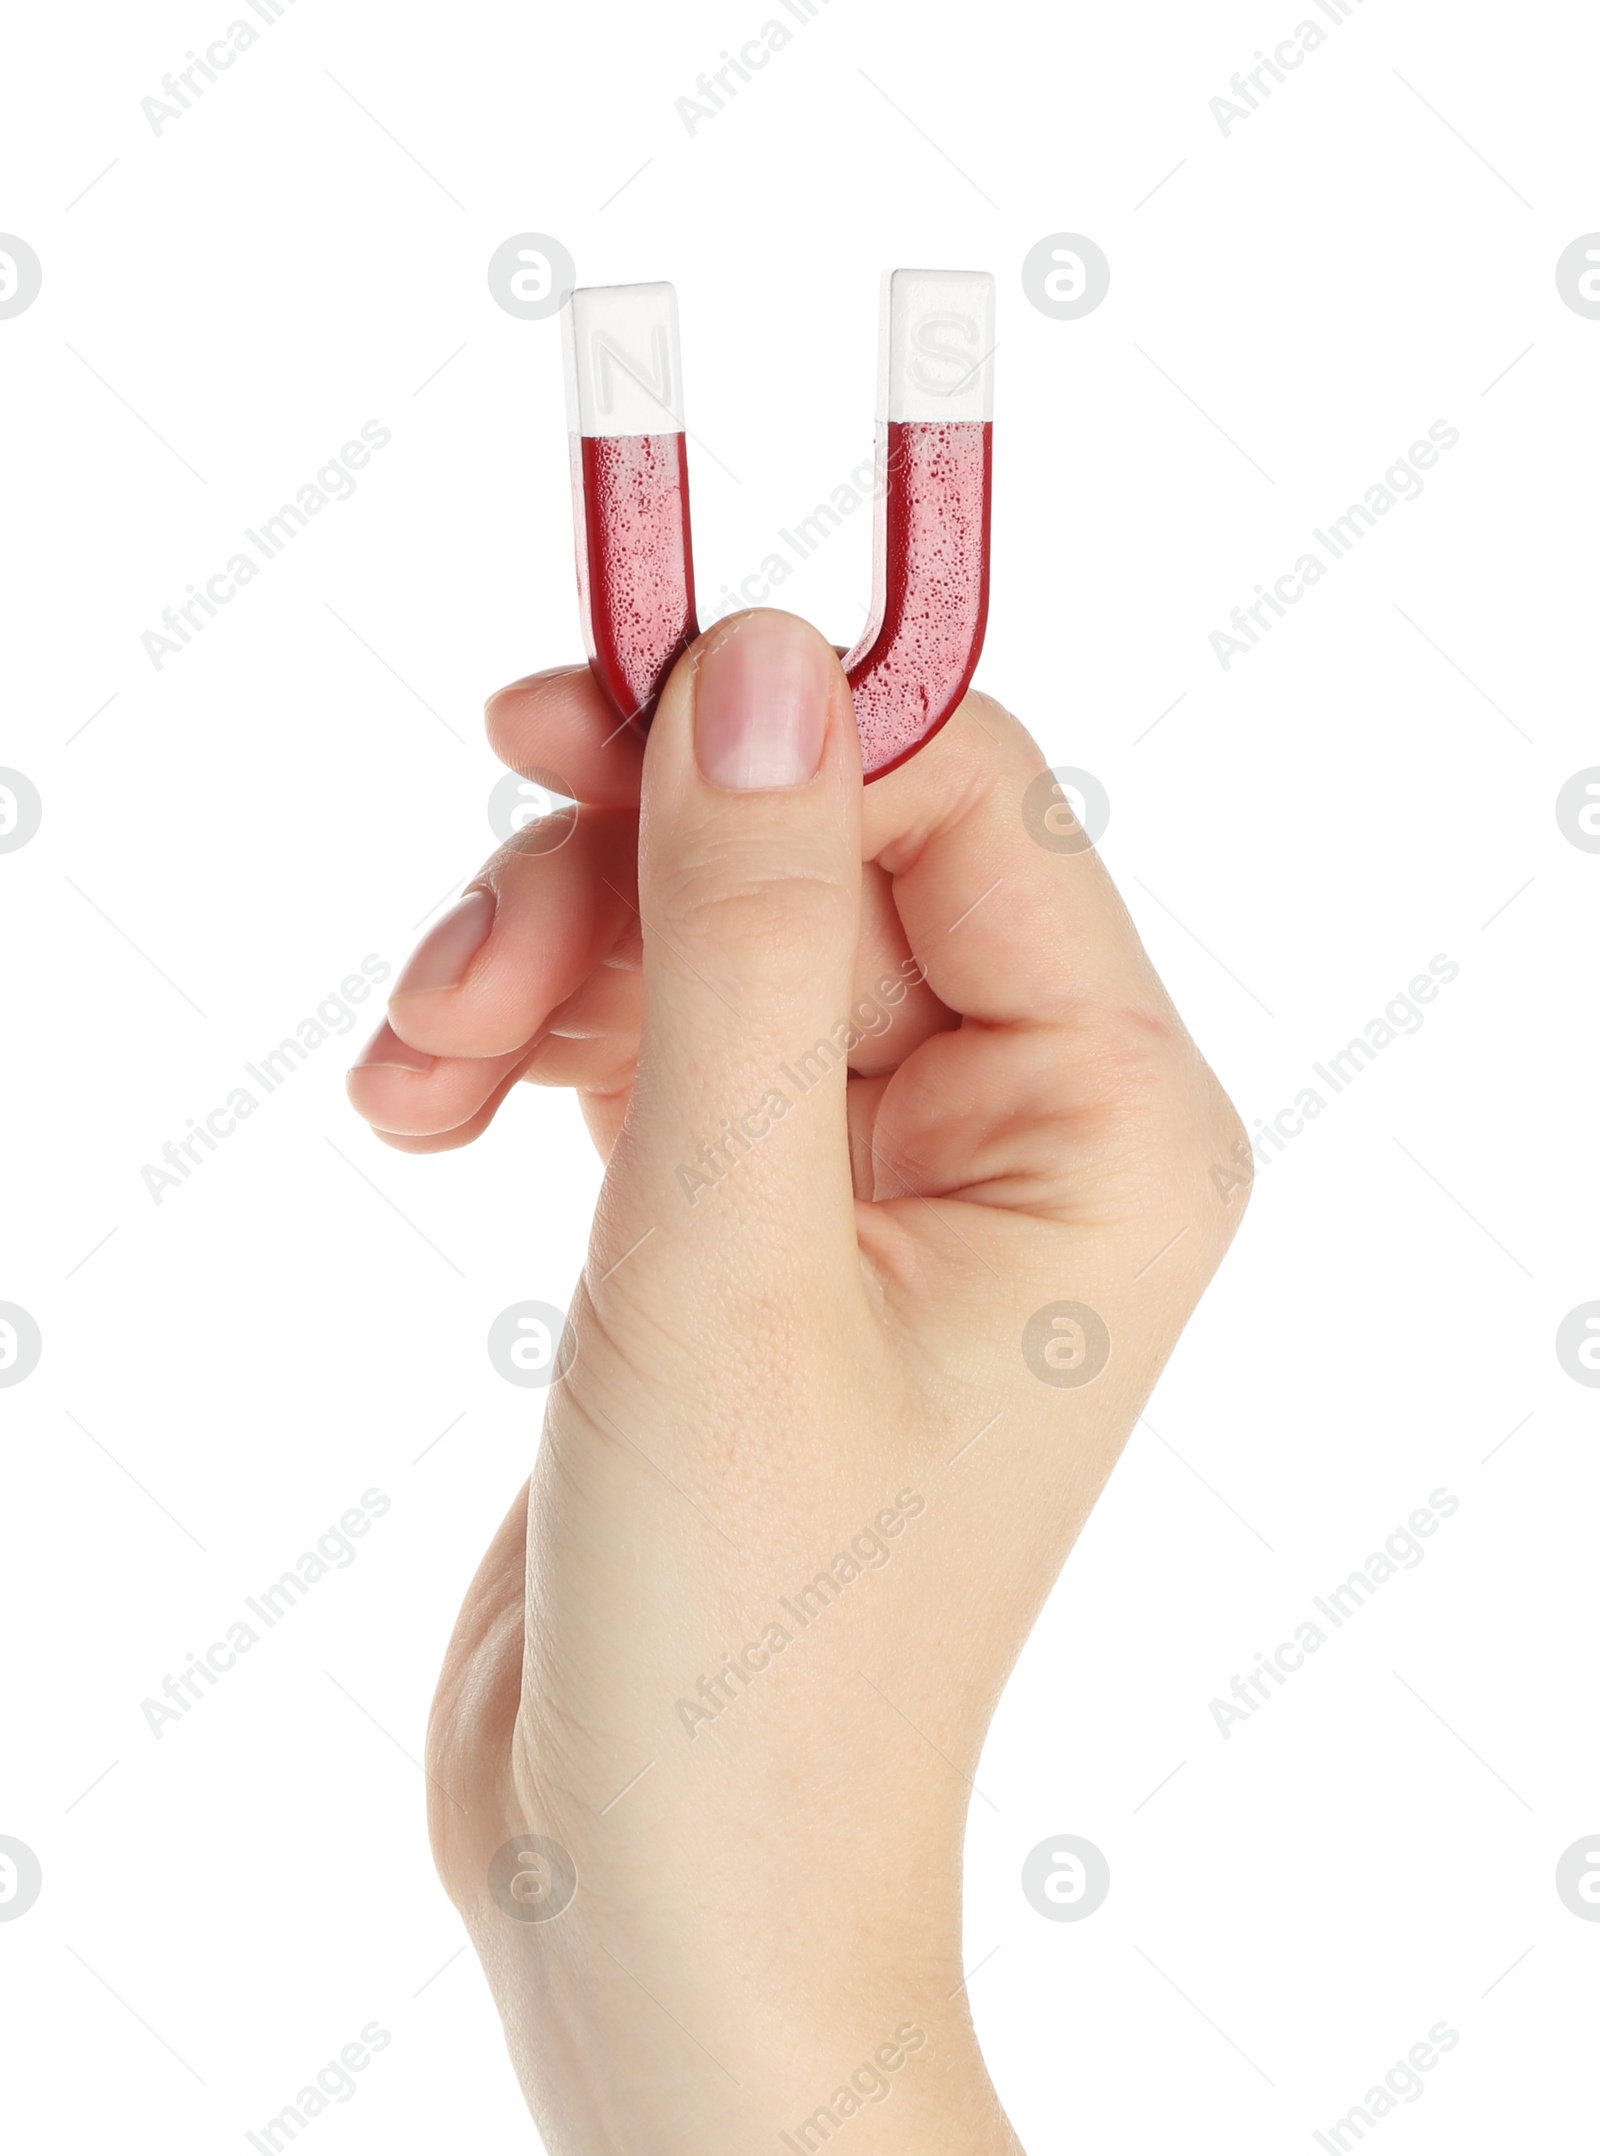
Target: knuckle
735,899
1231,1172
1211,1156
1165,1095
1145,1065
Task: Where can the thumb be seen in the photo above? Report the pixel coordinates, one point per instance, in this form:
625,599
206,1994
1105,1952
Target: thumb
749,895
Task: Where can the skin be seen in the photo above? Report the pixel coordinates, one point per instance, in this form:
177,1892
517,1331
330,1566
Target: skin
777,1361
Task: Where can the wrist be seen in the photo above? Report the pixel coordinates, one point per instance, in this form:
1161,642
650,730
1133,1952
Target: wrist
719,1987
617,2065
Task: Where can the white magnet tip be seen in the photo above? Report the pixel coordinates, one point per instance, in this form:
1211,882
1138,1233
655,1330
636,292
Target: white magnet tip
620,343
936,345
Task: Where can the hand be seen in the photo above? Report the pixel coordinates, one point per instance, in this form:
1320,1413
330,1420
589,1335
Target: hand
880,1078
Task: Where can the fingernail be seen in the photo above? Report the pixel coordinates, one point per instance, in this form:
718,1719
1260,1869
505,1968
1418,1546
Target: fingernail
441,959
761,703
387,1048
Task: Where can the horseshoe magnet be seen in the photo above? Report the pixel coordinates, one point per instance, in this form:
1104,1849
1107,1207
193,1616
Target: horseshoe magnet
630,489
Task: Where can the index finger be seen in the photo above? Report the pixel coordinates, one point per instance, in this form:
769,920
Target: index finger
1006,903
561,723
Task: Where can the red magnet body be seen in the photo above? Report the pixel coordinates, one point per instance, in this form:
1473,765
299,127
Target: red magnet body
913,663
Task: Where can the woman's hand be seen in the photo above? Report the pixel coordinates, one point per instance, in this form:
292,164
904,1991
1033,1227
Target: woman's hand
908,1196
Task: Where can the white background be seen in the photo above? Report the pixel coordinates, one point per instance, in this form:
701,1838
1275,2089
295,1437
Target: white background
305,784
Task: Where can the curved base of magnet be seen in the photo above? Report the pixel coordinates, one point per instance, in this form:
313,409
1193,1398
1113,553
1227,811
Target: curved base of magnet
912,665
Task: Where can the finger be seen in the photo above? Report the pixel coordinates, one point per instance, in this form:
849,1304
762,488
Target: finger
602,1112
448,1141
521,940
562,723
405,1093
893,1010
749,893
590,1043
1072,1089
1005,902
